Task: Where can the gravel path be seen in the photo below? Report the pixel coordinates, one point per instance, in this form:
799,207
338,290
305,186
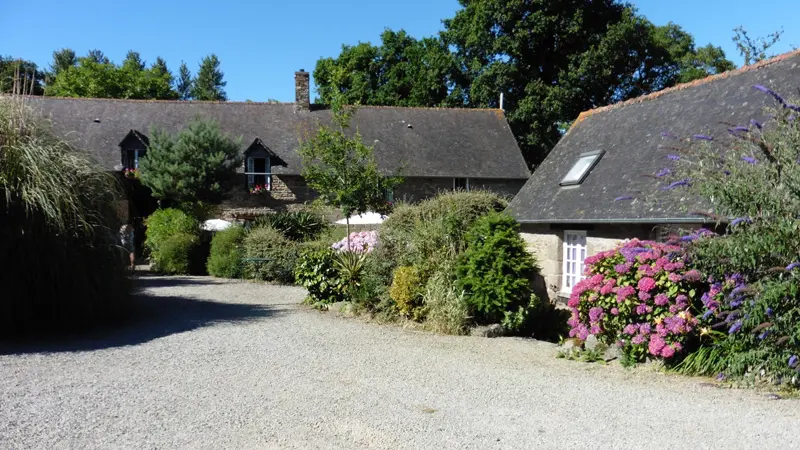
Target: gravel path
239,365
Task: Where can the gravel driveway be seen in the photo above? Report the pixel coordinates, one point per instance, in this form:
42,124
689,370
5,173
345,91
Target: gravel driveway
238,365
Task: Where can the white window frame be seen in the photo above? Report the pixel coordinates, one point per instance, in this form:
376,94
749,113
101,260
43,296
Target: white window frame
583,165
136,159
251,173
574,252
466,183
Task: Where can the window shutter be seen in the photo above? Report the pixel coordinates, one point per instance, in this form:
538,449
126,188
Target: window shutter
250,177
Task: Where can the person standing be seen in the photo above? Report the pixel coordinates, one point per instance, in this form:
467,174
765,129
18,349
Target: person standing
126,236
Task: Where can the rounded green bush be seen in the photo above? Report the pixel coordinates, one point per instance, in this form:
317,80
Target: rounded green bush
225,258
165,223
177,254
316,271
280,254
496,270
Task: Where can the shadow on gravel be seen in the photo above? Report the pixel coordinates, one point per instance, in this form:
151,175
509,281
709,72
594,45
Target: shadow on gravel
155,281
152,317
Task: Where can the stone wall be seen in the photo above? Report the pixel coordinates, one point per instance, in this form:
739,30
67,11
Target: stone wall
545,242
288,193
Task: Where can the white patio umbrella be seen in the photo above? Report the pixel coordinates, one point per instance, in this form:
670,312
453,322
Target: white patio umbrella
369,218
216,225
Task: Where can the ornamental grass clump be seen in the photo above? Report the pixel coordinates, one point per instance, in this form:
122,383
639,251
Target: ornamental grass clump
641,296
62,265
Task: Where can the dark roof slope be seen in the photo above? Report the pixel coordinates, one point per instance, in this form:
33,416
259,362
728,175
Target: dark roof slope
630,134
438,143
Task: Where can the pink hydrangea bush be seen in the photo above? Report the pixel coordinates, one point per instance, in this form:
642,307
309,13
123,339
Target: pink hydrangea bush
360,242
639,296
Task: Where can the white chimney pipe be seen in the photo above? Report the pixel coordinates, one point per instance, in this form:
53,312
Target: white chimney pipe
501,101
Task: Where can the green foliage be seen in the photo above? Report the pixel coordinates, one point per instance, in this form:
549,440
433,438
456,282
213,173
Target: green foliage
301,226
225,259
343,169
350,266
177,254
97,77
496,270
406,290
164,223
754,50
281,255
62,268
389,74
573,56
446,307
20,76
197,165
752,328
184,83
209,84
316,271
538,318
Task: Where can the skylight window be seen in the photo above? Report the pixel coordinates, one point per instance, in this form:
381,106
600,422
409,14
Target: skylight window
579,171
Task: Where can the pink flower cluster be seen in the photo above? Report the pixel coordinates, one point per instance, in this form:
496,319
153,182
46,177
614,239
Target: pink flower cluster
641,295
360,242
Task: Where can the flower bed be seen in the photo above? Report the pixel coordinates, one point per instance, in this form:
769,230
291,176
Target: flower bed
359,241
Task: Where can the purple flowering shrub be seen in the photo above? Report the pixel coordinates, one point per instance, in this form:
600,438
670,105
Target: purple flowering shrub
360,242
641,296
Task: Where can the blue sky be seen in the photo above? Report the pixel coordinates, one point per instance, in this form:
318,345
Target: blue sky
262,43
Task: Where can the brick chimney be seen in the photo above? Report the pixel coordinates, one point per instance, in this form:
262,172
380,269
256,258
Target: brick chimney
302,94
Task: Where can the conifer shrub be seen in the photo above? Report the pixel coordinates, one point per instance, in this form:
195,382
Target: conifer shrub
495,271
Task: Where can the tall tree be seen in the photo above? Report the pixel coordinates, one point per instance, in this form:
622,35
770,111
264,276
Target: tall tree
209,84
551,59
184,82
160,67
63,59
402,71
88,78
98,56
337,164
20,76
133,61
754,50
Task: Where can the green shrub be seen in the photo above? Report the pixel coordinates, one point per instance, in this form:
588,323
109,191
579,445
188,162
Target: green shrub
538,318
373,286
316,271
496,270
165,223
225,259
447,309
279,252
177,255
62,265
350,266
298,226
406,290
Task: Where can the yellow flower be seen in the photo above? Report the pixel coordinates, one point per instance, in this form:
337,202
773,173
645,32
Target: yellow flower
682,315
659,320
704,331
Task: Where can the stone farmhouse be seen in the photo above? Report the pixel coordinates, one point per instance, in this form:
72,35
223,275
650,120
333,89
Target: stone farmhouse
567,209
434,149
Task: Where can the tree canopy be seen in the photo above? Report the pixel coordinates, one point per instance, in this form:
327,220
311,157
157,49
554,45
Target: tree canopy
552,59
24,76
196,165
209,84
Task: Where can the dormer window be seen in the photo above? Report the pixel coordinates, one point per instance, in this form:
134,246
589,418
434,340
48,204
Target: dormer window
580,170
133,148
258,166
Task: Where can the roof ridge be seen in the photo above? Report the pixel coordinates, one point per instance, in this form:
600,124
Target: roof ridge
226,102
679,87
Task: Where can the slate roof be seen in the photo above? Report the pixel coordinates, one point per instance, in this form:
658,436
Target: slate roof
630,134
439,142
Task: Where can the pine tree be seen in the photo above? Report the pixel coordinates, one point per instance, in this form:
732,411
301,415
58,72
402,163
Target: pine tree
184,83
209,84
